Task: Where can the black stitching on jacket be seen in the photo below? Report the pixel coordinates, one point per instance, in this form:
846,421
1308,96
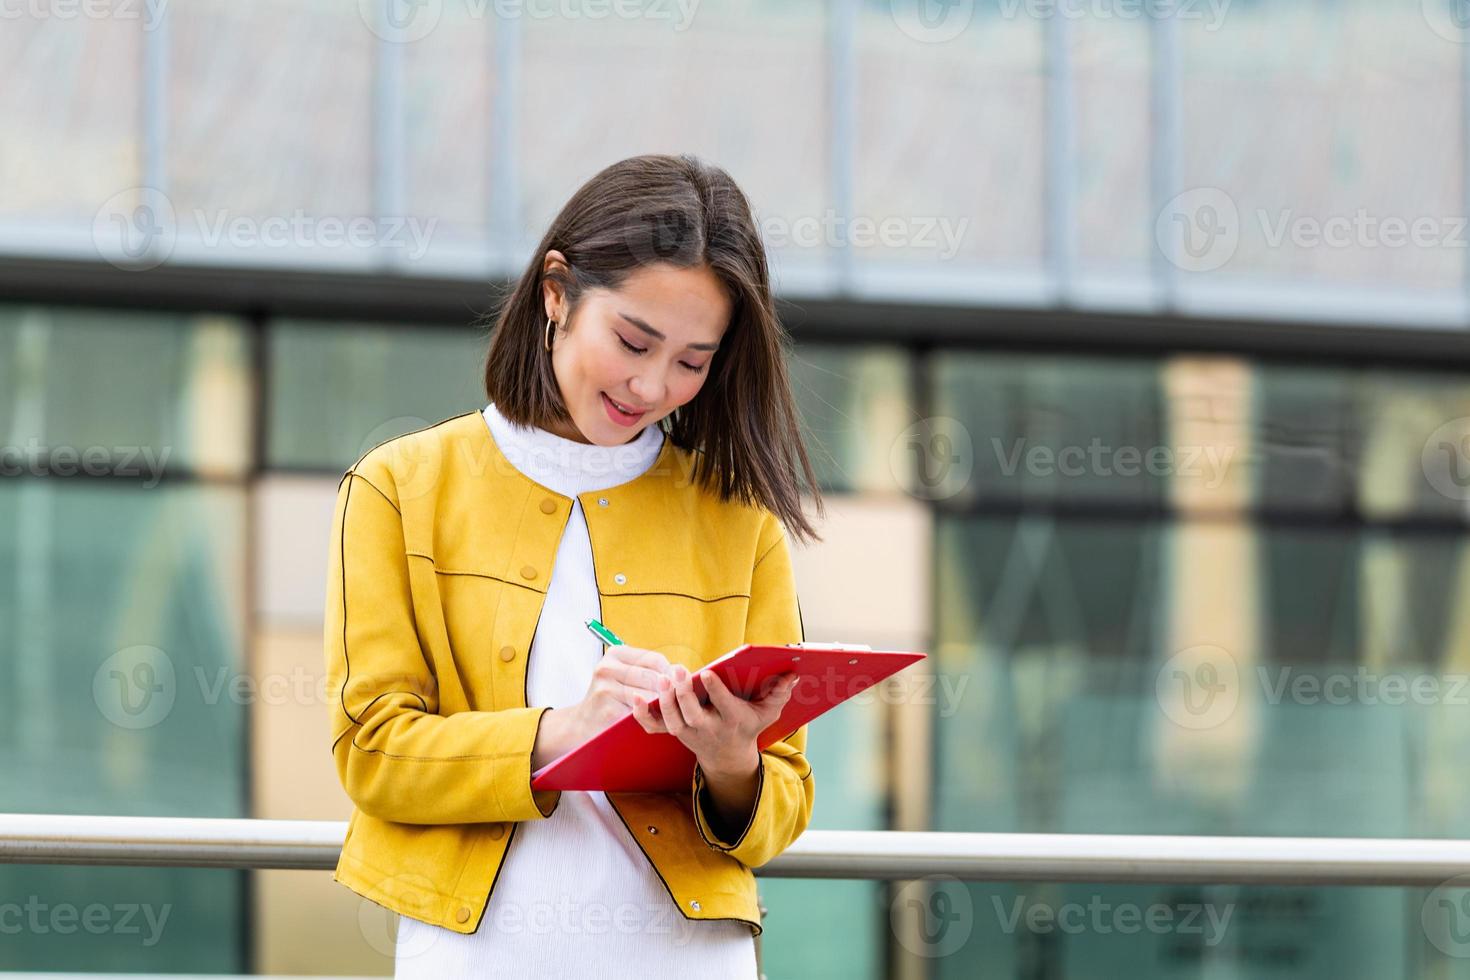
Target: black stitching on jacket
375,487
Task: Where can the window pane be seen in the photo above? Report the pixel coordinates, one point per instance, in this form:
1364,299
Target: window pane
1202,677
932,95
1054,428
1395,444
338,389
448,101
132,394
1307,437
116,593
1304,114
270,117
771,139
1415,455
1110,68
854,402
124,634
69,94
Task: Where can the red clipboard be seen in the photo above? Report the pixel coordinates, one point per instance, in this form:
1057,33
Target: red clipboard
625,758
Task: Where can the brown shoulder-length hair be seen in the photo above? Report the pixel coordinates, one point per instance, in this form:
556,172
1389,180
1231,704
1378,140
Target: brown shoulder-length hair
742,425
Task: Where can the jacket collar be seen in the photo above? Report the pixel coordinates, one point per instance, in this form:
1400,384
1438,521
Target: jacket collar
672,470
567,465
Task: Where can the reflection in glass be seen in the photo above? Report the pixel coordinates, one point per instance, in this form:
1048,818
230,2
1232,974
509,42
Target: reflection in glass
121,660
338,389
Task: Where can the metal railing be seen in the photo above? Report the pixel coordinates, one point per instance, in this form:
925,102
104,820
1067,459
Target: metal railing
1120,858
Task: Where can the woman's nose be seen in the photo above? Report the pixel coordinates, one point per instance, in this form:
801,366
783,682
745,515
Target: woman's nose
648,392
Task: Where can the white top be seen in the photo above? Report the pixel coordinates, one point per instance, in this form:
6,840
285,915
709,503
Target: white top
575,895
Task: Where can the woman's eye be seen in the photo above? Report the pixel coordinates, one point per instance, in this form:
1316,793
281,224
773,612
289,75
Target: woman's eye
641,350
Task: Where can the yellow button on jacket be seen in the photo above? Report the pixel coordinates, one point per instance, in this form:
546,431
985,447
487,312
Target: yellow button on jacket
441,554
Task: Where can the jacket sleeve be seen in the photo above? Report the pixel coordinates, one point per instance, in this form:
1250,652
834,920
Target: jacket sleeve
785,788
397,757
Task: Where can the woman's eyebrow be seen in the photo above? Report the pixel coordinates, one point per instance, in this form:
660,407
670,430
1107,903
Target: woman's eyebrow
646,328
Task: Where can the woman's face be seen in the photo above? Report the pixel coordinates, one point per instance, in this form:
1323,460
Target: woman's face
647,346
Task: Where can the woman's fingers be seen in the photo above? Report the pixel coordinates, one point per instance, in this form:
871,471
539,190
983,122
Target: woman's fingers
643,678
775,682
668,706
638,657
644,713
694,712
726,701
777,692
634,677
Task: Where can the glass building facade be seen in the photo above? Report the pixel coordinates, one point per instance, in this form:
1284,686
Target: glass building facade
1168,585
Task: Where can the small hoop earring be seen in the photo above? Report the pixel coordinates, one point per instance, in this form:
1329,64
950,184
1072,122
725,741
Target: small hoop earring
550,323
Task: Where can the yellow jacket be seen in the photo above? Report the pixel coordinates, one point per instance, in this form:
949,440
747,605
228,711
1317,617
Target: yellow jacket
441,553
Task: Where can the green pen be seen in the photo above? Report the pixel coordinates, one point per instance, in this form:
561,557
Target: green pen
603,633
611,639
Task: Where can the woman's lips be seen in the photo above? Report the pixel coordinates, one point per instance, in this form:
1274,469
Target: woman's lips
616,414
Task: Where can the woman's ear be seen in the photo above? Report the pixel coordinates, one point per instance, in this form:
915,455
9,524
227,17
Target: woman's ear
551,291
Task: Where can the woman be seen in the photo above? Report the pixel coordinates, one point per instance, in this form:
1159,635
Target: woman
639,461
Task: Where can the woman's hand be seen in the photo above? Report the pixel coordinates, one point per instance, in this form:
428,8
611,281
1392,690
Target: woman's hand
721,734
624,678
